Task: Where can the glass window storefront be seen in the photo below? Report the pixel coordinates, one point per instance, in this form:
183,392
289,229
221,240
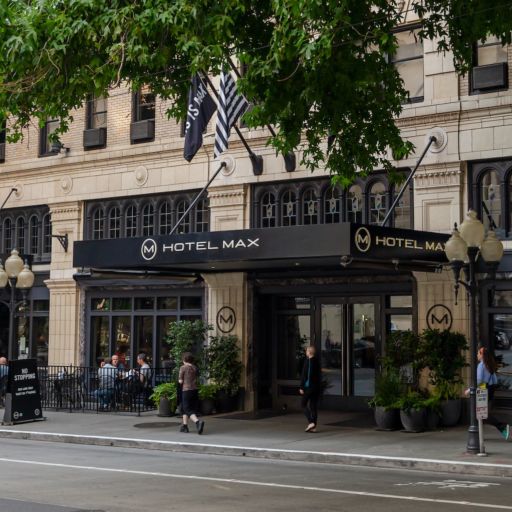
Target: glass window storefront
126,325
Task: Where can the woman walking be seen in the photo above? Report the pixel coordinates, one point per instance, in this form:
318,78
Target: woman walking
310,387
486,374
189,395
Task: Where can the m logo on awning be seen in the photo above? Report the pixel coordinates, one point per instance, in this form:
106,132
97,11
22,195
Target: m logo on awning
148,249
363,239
439,317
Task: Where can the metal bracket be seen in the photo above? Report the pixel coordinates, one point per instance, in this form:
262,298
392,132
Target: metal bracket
63,240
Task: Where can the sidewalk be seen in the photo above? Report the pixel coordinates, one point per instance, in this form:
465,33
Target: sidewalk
342,438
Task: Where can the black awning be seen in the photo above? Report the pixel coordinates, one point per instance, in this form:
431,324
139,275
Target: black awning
317,246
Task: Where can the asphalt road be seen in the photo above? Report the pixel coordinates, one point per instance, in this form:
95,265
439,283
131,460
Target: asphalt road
47,477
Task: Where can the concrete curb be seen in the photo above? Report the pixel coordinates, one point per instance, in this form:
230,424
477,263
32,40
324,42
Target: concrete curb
446,466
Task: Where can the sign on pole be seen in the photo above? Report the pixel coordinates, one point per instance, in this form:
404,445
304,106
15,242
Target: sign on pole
23,397
482,405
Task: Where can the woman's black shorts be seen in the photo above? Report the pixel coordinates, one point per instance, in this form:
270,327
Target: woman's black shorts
190,402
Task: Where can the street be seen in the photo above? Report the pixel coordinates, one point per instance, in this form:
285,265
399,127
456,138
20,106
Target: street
43,477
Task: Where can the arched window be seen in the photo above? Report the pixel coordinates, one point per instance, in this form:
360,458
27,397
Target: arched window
184,226
33,227
98,224
402,213
20,235
47,234
309,207
7,242
148,220
289,208
202,216
165,218
490,195
114,222
268,210
130,218
378,202
332,205
355,204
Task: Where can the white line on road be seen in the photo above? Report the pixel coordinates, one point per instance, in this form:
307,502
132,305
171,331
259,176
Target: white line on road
254,483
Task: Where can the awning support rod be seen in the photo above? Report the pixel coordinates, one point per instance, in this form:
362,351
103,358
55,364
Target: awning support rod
431,140
14,189
196,199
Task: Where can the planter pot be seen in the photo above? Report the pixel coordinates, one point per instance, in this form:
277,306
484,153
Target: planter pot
450,412
413,420
387,419
164,407
207,406
432,419
226,402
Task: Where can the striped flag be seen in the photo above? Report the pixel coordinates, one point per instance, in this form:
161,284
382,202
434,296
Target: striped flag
231,106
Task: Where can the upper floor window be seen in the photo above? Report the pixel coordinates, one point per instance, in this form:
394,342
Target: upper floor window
490,71
202,216
165,218
20,235
47,234
143,104
3,133
33,234
184,226
114,222
148,220
45,143
7,238
408,61
96,112
364,202
98,222
131,221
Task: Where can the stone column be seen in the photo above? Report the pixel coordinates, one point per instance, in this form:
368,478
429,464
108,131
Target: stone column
64,293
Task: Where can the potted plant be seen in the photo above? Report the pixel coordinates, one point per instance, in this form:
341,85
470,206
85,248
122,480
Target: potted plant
444,356
387,392
207,395
225,369
164,396
413,411
433,411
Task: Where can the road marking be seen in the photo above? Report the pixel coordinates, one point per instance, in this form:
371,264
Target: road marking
255,483
451,484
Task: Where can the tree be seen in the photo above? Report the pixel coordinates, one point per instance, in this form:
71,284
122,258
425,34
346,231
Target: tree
315,68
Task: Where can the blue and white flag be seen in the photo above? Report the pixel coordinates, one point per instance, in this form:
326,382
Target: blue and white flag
199,112
231,106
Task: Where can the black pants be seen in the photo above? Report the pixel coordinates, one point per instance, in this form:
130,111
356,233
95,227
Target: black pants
309,404
492,419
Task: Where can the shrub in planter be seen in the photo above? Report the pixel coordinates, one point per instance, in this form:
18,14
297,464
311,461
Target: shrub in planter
207,395
164,396
444,356
413,411
387,392
224,369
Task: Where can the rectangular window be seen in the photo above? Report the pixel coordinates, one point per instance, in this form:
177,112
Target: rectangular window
490,51
96,112
408,61
143,105
45,144
490,72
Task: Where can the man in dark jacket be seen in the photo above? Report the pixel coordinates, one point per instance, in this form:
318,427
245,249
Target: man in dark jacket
310,387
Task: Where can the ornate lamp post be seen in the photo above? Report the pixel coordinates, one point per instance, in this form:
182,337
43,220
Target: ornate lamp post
462,251
18,275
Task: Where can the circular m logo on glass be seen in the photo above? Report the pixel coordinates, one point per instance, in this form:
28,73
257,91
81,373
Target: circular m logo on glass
148,249
363,239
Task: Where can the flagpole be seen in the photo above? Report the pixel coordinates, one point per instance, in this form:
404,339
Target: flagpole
256,160
196,199
289,159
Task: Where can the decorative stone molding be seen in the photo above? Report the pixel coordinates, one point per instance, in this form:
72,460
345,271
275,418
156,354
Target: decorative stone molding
65,212
19,191
141,175
66,184
436,176
221,197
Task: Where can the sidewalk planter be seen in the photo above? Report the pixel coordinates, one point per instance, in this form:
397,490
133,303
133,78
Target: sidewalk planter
164,396
207,406
387,419
226,402
164,408
207,394
450,412
432,419
413,420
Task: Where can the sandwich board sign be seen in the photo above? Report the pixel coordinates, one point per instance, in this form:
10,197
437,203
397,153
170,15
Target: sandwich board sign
23,397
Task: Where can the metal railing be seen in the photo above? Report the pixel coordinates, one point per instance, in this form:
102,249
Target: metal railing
84,388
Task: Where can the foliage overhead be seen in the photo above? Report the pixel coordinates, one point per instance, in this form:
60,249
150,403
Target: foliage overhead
316,68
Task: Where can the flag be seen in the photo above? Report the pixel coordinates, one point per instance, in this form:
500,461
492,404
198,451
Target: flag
231,106
199,111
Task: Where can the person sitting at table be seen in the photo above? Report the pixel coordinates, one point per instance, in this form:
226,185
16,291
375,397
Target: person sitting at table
107,381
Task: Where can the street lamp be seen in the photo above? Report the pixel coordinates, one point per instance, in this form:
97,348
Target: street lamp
18,275
462,250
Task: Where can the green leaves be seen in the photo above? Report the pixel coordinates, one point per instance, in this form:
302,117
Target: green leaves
316,68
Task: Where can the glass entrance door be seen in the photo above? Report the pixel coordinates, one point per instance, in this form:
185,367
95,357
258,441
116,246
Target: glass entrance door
346,340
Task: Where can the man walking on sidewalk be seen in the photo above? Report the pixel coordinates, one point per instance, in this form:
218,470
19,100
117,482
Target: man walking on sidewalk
310,387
